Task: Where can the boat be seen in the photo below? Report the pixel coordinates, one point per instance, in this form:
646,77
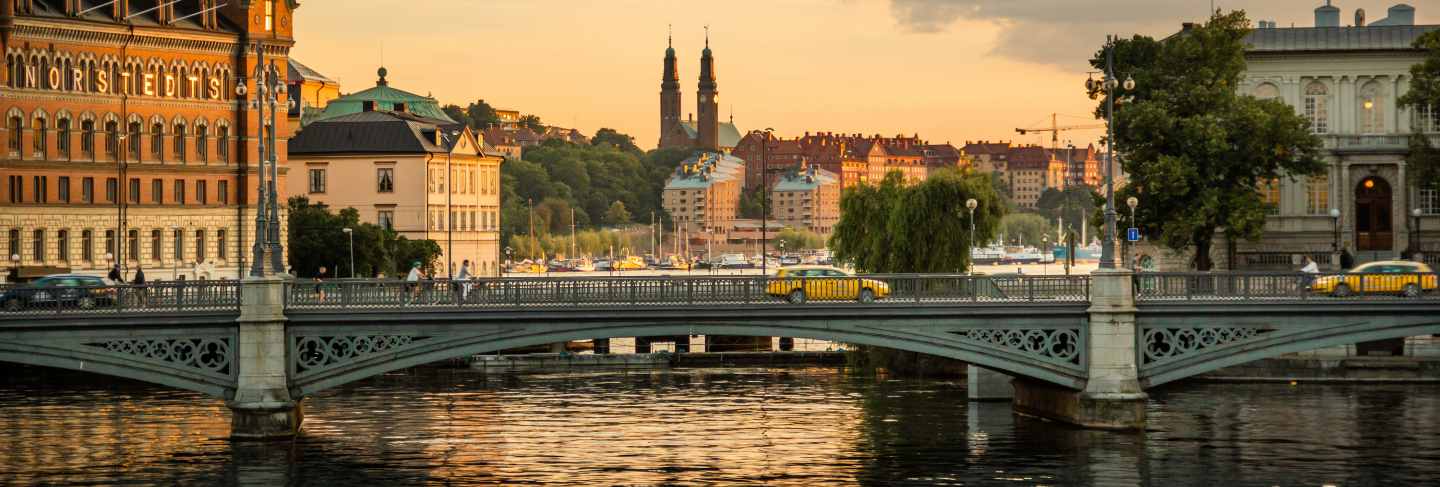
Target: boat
734,261
630,263
990,255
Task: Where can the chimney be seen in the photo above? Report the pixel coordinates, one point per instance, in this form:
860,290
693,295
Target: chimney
1359,17
1327,15
1401,14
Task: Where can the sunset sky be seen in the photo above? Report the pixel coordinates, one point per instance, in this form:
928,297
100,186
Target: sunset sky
949,70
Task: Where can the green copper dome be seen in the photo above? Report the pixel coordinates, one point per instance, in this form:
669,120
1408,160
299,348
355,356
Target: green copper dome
385,98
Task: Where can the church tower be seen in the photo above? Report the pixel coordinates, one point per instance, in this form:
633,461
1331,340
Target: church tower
708,127
669,93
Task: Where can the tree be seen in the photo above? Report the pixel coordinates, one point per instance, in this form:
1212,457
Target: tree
800,239
1194,148
615,139
1072,205
533,123
1423,98
1023,228
752,203
617,215
482,115
920,228
317,238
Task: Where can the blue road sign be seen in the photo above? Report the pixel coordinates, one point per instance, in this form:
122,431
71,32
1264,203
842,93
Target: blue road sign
1132,234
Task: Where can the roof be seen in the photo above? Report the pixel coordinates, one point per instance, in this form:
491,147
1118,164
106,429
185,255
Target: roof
371,132
385,98
1372,38
1029,157
991,148
729,135
705,168
56,9
301,72
806,181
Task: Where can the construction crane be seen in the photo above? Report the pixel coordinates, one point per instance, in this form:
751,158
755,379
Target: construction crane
1055,130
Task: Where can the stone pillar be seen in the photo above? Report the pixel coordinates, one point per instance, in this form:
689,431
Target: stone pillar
558,347
987,385
1112,398
262,408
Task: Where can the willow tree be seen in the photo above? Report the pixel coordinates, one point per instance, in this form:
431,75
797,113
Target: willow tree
891,227
1195,148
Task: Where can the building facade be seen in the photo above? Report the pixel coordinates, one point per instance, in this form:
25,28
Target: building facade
131,136
309,92
703,195
1345,81
807,199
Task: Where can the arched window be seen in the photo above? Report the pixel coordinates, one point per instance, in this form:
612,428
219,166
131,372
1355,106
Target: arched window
135,135
202,142
157,141
62,137
1316,107
87,138
40,137
222,143
14,127
112,138
1372,108
179,134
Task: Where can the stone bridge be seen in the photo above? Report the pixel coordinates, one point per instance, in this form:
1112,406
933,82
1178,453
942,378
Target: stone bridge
1082,349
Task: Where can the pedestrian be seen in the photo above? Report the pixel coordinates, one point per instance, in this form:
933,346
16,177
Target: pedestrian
464,279
1309,269
115,276
319,283
412,282
1347,261
139,281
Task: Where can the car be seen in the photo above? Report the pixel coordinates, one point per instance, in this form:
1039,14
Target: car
1406,278
790,260
68,290
799,284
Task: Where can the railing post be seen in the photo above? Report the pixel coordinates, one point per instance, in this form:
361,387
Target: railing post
1029,289
690,291
916,288
747,284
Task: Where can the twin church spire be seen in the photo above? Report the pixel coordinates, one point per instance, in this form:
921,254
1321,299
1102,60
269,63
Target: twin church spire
707,128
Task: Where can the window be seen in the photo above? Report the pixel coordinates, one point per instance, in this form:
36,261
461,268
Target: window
179,238
37,245
220,252
202,142
17,188
222,143
112,186
1372,110
87,190
1428,199
179,191
62,142
132,241
202,193
134,192
109,244
1270,196
1427,119
64,188
157,191
134,140
38,138
62,245
269,15
14,243
13,143
180,142
87,138
156,245
317,180
385,180
222,193
42,190
112,138
1317,109
157,141
387,219
87,245
200,246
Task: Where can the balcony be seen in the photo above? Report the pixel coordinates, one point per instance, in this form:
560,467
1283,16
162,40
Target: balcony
1373,144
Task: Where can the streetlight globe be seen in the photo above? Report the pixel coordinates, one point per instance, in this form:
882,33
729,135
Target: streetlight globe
1417,212
1132,202
346,230
16,257
1334,213
1129,83
971,203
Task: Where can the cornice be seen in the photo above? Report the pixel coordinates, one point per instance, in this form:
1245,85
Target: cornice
161,39
50,96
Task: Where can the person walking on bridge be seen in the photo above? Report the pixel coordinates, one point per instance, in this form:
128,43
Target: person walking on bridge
141,289
463,279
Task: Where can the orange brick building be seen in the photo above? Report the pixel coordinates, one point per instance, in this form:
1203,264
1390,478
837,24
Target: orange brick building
131,133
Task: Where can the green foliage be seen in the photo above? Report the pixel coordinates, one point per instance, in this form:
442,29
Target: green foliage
317,238
533,123
476,115
590,243
1023,228
1194,148
1074,204
615,139
920,228
752,203
1424,159
617,214
799,239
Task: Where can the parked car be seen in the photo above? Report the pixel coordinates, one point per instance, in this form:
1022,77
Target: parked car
790,260
799,284
1406,278
68,290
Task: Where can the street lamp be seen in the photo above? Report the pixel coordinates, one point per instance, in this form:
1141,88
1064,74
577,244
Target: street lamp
1132,202
1111,87
1335,244
349,233
765,201
15,265
508,253
970,204
1419,253
1045,244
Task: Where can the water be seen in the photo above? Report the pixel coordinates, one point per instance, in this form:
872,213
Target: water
725,427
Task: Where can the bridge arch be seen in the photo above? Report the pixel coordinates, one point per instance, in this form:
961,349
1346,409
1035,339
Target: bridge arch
326,357
176,366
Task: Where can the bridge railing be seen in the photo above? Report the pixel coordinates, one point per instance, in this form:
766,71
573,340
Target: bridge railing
1231,286
28,301
714,291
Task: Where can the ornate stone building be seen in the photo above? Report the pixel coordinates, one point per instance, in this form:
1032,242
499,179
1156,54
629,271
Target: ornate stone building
1345,80
129,137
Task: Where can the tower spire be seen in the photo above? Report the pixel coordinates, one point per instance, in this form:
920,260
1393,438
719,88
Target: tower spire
707,36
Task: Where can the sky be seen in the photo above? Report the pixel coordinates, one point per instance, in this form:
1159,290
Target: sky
948,70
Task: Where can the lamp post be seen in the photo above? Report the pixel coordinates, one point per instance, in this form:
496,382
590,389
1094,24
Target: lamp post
15,266
1045,244
765,202
1419,253
350,234
1132,202
1335,244
268,87
1111,87
971,204
508,253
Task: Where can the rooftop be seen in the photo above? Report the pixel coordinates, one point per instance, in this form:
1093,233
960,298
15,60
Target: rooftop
385,98
705,168
376,132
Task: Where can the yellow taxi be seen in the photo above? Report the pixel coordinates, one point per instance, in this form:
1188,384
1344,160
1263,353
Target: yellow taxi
798,284
1406,278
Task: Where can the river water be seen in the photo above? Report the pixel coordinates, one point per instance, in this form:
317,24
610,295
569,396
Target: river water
711,426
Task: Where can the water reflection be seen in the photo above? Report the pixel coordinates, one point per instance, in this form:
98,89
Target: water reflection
777,427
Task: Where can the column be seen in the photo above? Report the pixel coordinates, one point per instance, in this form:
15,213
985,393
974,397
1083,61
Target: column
262,408
1112,398
987,385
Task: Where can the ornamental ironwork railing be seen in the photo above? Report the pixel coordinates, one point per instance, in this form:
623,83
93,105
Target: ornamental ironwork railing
708,291
27,301
1230,286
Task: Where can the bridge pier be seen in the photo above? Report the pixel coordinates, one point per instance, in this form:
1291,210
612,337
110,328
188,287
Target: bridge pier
1112,398
262,408
987,385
